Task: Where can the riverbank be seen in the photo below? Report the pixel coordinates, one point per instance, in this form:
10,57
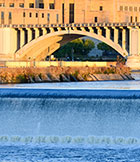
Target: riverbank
63,74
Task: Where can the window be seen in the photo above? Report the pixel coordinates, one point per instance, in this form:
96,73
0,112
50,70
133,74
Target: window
42,15
21,5
48,17
136,19
36,15
101,8
121,8
71,13
2,5
126,8
95,19
11,5
10,15
63,13
31,5
135,8
51,6
131,19
130,9
41,5
23,14
30,14
2,15
57,18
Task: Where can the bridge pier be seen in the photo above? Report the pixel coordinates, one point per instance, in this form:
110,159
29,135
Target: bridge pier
8,43
133,60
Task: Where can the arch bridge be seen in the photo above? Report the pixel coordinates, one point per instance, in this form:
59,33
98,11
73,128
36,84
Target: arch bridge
35,42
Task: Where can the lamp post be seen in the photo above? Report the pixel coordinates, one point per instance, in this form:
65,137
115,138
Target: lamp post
72,54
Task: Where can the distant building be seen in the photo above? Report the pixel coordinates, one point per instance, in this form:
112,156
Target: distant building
68,11
95,52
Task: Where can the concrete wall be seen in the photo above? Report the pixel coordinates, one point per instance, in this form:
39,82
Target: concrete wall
42,64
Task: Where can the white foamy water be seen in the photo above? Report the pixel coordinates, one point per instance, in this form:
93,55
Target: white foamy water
98,121
70,141
116,85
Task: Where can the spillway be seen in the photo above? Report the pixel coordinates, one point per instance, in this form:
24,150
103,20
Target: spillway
71,113
69,119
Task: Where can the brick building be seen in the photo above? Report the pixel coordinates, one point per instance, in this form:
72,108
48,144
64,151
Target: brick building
68,11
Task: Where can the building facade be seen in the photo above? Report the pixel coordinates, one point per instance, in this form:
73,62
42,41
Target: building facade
68,11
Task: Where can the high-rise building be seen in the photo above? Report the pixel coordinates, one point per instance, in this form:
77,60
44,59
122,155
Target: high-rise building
68,11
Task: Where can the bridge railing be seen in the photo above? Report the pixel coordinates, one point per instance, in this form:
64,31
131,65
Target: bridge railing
70,25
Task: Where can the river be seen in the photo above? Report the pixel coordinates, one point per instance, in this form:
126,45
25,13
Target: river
70,122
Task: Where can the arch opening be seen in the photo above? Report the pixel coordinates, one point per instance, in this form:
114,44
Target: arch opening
85,49
45,45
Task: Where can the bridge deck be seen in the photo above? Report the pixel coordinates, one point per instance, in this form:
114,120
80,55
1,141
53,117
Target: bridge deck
71,25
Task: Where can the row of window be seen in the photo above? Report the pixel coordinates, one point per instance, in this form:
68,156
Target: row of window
31,5
30,15
36,15
130,8
132,19
41,5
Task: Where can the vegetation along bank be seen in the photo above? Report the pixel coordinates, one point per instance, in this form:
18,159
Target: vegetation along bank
63,74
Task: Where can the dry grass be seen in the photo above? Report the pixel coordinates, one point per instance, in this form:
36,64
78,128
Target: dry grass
19,75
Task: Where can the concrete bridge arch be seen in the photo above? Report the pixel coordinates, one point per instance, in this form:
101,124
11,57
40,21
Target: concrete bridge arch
48,43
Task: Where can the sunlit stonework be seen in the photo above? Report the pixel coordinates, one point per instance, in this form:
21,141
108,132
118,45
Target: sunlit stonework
31,30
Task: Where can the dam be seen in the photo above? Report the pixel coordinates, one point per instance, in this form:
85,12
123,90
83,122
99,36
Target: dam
65,124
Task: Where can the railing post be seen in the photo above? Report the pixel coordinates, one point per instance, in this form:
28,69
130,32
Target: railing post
29,34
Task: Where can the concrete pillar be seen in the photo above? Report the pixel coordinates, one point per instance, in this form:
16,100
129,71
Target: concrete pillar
36,32
123,38
129,40
107,33
99,31
51,30
44,30
74,28
133,61
134,41
22,37
8,43
13,43
59,29
83,29
116,35
138,41
91,30
29,34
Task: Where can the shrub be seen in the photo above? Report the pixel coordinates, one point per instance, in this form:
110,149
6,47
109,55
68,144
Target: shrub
21,78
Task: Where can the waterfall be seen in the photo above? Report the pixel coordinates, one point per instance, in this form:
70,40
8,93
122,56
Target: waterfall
69,117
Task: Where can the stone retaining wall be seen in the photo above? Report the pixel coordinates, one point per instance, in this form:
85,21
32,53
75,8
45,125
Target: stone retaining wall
63,74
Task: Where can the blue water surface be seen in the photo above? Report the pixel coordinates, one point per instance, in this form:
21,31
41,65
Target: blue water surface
70,122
